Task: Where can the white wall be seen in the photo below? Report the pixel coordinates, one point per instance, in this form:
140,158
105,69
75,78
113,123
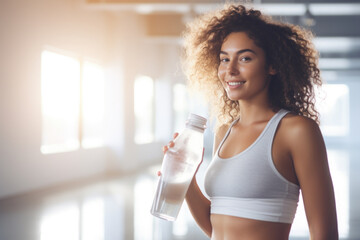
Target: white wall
118,40
26,27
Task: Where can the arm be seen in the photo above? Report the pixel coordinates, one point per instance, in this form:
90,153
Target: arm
308,152
199,207
198,204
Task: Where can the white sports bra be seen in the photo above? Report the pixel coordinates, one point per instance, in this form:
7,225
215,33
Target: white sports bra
248,185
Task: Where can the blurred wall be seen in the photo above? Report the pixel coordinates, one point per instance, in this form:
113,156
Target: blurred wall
26,28
128,45
119,41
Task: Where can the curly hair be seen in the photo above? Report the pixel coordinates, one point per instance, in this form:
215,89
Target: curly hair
288,49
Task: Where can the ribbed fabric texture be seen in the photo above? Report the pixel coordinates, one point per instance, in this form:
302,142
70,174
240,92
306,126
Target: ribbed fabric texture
248,184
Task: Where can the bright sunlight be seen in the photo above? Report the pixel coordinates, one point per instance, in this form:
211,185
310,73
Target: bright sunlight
60,92
71,101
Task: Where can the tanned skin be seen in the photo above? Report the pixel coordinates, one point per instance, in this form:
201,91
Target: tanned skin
298,151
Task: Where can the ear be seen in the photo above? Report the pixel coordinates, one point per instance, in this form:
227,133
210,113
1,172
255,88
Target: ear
272,71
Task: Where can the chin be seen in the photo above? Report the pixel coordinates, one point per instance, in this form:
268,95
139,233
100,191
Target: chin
233,98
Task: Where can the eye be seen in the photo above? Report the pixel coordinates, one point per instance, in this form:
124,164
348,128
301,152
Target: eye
223,60
245,59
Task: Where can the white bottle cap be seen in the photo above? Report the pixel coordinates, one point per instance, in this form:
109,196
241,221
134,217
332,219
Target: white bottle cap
197,121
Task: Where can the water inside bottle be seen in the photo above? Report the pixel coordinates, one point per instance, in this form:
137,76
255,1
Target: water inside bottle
170,198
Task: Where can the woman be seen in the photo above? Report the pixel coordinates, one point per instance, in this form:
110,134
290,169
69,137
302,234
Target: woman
258,76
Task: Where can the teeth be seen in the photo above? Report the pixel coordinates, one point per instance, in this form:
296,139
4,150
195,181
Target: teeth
235,83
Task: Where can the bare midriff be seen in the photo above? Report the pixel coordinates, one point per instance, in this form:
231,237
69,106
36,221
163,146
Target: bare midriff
234,228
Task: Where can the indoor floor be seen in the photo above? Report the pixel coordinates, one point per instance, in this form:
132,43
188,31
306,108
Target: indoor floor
117,208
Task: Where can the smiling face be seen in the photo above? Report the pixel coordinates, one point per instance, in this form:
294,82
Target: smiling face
243,71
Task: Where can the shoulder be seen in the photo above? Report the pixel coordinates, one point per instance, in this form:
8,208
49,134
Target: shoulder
301,135
300,132
295,125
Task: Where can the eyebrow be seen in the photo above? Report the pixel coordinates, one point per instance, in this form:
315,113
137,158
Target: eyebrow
240,51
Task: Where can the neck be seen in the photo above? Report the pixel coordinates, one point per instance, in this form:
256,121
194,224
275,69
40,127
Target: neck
254,113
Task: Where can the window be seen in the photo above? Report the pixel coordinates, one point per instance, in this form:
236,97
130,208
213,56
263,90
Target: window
180,106
60,90
72,220
158,115
92,105
61,222
333,105
144,110
72,103
339,162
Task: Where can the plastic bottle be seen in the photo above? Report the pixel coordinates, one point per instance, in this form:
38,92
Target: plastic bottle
178,168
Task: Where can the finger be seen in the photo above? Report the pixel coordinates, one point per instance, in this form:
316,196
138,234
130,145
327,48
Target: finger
171,144
165,148
175,135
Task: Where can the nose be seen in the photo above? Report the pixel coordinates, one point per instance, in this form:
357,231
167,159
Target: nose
232,68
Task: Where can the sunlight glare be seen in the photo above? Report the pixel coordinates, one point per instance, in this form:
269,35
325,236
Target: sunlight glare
339,168
144,109
61,222
339,164
333,105
93,219
93,105
60,92
143,220
180,105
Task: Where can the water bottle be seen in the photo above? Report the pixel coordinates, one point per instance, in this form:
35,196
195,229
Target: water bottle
178,168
